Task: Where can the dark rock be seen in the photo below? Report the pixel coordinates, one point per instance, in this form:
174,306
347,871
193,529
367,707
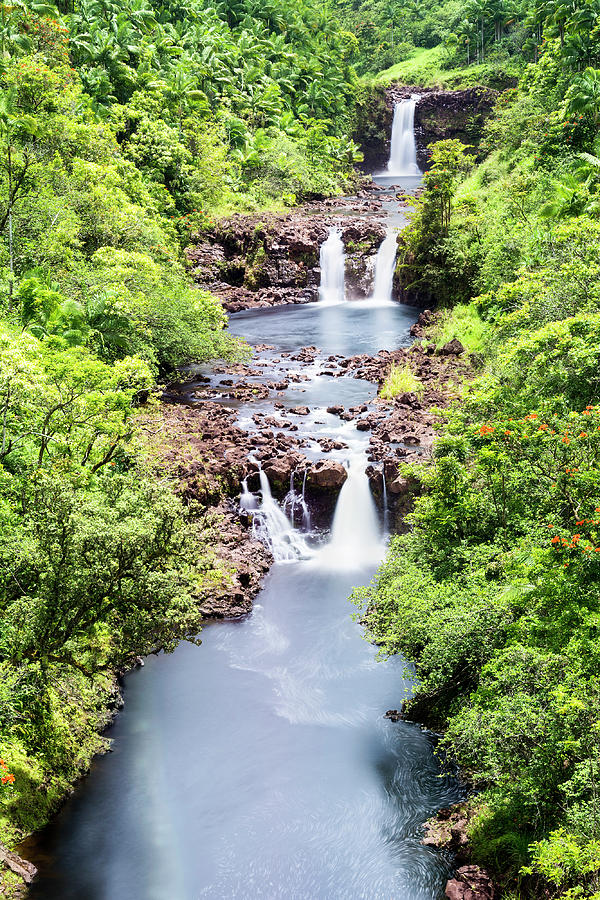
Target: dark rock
452,348
327,475
252,261
471,883
300,410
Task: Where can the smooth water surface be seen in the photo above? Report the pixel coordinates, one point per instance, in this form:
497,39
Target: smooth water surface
349,328
259,766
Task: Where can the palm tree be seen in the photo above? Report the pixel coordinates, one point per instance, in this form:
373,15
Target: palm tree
584,95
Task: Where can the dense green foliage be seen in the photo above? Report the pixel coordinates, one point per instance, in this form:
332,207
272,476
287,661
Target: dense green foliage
494,591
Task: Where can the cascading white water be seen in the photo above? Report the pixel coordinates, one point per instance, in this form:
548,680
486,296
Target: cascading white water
333,265
403,154
247,500
294,503
271,525
356,539
385,263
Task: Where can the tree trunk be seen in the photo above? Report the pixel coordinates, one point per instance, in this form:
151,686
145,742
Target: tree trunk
10,229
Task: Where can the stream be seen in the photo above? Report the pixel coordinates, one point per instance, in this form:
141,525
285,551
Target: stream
260,764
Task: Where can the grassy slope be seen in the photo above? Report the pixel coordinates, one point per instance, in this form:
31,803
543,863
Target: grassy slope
425,68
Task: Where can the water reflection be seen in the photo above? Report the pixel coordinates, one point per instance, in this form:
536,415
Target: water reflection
259,765
348,328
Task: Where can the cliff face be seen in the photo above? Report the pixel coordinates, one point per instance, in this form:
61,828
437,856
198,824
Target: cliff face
452,114
251,261
438,115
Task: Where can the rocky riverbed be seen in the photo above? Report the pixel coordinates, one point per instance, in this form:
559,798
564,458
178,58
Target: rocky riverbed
218,428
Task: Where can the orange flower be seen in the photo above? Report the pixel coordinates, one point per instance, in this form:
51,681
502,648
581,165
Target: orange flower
555,540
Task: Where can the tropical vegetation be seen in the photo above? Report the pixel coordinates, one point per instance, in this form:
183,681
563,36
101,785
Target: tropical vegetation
493,593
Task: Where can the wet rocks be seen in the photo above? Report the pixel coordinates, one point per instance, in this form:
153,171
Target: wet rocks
251,261
327,474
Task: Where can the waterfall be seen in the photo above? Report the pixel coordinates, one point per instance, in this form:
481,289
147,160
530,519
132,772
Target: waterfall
294,502
386,512
356,539
247,500
385,264
273,528
333,261
403,154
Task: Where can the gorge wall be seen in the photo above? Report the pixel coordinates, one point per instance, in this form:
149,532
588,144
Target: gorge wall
438,115
254,261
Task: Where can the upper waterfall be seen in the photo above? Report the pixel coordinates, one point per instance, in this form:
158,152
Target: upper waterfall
403,153
333,265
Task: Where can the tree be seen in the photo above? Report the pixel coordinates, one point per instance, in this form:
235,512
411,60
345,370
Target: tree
584,95
17,162
116,555
447,161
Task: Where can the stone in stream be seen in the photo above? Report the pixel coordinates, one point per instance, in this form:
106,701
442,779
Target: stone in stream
327,474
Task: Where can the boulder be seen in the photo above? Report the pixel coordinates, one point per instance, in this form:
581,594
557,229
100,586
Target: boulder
400,485
327,475
21,867
452,348
471,883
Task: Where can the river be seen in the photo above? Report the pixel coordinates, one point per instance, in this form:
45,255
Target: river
260,764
